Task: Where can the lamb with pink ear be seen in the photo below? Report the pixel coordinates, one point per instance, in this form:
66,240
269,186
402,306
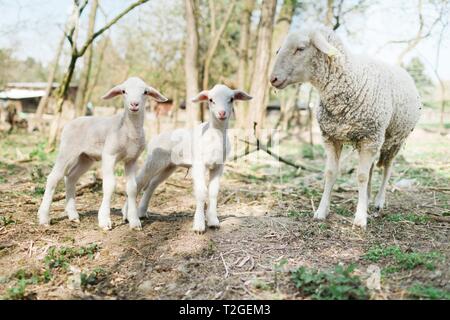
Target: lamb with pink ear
110,139
203,148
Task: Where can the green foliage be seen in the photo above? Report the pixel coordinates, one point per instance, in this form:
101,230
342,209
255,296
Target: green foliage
39,191
59,258
298,214
402,260
428,292
6,220
416,69
411,217
39,152
91,278
18,291
312,151
339,284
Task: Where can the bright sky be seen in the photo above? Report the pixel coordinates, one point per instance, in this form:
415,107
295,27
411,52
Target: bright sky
33,28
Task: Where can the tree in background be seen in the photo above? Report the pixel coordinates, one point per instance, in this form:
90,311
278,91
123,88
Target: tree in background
260,80
416,69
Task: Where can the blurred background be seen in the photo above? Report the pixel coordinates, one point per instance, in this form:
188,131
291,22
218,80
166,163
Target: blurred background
183,46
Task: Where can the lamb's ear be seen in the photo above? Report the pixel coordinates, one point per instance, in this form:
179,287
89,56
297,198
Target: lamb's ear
241,95
202,96
155,94
323,45
113,92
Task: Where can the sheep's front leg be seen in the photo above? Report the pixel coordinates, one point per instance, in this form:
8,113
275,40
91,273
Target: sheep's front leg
200,191
132,215
214,185
109,181
367,155
333,152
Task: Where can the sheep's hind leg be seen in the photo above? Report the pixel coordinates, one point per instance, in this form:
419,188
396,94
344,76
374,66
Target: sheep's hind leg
70,180
333,151
130,173
109,182
53,178
386,161
154,183
367,155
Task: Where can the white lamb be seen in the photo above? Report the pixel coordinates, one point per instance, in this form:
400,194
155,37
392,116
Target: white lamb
203,148
367,103
111,139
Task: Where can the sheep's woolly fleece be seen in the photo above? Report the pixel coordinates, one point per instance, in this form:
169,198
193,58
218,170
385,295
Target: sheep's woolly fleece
364,99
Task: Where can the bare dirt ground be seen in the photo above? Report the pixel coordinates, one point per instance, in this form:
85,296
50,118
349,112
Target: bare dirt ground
266,231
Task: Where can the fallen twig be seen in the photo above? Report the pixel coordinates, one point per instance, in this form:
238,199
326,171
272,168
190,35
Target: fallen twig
225,265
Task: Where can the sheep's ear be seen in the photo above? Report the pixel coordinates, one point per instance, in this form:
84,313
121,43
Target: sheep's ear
323,45
202,96
241,95
155,94
113,92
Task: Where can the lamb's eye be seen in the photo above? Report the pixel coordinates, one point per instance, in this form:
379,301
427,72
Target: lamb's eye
146,92
123,92
277,51
299,49
232,99
211,100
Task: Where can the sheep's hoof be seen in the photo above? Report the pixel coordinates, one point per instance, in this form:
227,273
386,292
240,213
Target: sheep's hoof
216,226
199,232
360,222
136,225
76,220
213,222
106,225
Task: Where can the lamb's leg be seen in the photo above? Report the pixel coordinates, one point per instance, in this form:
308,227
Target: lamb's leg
380,198
71,179
154,183
369,184
214,185
54,177
200,191
130,174
367,155
109,181
333,151
150,170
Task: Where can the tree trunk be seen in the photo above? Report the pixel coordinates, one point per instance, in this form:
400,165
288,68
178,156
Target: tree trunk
246,16
80,100
93,84
259,84
71,35
191,63
43,102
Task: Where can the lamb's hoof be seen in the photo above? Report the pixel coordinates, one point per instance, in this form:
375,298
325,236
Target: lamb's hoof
77,221
213,223
378,212
360,222
199,228
320,215
136,225
142,214
105,225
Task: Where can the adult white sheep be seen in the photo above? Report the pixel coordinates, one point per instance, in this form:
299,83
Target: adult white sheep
203,148
364,102
110,139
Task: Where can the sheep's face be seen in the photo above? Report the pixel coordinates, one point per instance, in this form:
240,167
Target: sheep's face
135,92
293,61
295,58
220,100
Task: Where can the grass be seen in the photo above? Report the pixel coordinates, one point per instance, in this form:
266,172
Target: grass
6,220
428,292
402,260
56,259
337,284
298,214
411,217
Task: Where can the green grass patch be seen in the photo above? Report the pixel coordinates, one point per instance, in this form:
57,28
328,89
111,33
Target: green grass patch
298,214
401,260
411,217
428,292
337,284
6,220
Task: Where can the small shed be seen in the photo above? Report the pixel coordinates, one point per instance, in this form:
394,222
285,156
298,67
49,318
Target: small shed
26,95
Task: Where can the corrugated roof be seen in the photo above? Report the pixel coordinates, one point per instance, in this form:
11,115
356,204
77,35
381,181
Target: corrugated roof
21,94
